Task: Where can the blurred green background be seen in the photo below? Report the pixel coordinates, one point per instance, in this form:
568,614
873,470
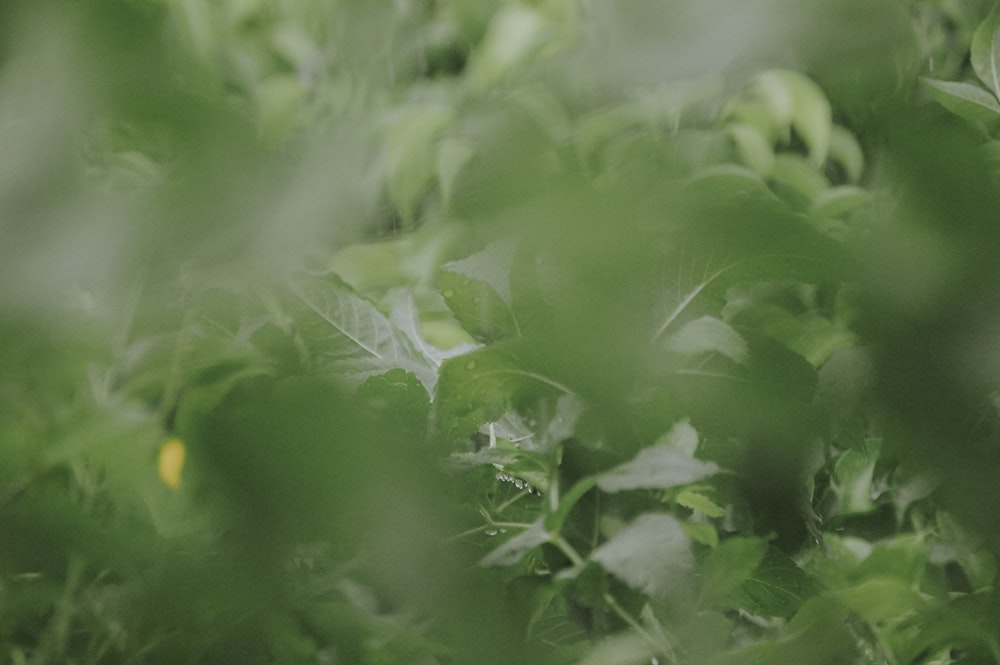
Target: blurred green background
271,228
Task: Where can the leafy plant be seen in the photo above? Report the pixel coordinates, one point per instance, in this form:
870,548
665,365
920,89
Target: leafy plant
456,333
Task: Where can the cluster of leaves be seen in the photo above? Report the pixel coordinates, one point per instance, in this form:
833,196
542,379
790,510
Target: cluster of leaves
523,336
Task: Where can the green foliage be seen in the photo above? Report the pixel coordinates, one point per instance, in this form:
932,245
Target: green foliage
532,332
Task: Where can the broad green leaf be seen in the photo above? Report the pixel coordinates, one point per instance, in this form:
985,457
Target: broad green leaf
512,551
492,265
479,387
395,404
776,588
709,335
349,336
656,467
881,599
477,307
985,52
902,557
965,99
735,239
728,566
410,149
653,555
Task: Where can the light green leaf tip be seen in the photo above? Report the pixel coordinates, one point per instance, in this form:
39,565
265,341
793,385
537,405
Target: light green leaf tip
707,335
795,98
965,99
985,53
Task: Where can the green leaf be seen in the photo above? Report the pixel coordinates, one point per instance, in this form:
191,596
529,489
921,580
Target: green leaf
479,387
699,503
512,551
734,239
966,621
901,557
797,181
620,649
798,99
477,291
709,335
844,148
701,532
985,52
852,478
477,307
965,99
410,149
809,334
394,404
492,265
656,467
839,201
348,336
882,599
754,149
777,587
652,555
728,566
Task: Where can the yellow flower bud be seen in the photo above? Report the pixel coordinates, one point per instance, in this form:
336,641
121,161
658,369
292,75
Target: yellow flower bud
170,463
